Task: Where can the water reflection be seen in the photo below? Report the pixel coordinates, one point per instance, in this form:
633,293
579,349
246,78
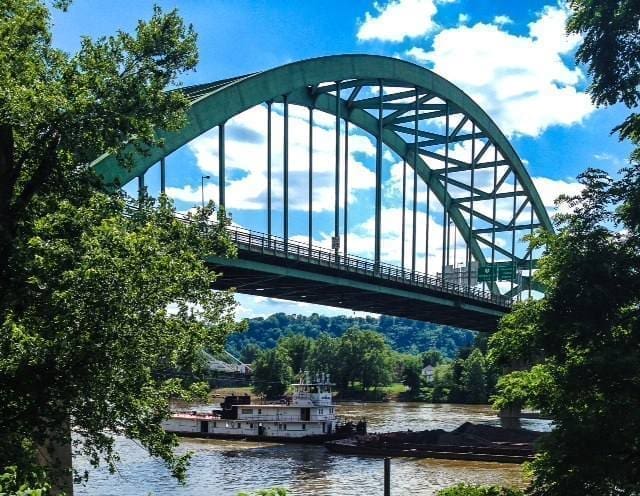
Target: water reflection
228,467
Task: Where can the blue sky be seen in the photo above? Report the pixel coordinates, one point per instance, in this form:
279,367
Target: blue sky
513,58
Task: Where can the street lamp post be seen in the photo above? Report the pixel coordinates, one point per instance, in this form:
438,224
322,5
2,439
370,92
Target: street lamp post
202,187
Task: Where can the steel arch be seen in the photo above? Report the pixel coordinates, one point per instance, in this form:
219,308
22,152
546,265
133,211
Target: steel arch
215,103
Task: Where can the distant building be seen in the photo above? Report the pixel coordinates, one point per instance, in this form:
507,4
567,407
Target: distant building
427,373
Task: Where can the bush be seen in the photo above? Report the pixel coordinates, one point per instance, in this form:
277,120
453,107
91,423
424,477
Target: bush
19,484
468,490
278,491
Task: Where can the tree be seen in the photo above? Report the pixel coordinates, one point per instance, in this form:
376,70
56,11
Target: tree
443,383
249,353
412,374
585,332
473,379
431,357
611,49
299,349
324,357
85,283
365,357
272,373
58,113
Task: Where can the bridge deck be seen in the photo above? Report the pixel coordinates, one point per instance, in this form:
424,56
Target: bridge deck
273,267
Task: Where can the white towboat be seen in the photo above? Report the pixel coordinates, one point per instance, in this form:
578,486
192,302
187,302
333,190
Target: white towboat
308,415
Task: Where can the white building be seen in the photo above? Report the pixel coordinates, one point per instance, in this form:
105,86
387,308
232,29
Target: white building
427,373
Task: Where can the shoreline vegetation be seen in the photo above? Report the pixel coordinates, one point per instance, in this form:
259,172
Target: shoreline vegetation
396,392
372,359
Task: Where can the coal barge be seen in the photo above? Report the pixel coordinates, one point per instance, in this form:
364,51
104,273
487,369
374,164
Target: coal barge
467,442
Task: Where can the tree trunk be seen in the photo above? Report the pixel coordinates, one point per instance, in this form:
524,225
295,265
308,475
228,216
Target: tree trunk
55,457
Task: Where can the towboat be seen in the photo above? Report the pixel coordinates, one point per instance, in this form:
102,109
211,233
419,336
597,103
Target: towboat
307,416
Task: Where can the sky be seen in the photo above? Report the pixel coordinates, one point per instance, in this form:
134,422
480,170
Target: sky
513,58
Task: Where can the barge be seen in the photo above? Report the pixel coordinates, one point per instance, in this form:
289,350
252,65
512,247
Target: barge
307,416
467,442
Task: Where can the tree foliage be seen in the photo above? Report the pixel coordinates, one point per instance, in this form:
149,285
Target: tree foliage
470,490
412,374
474,378
611,49
358,357
402,334
272,373
278,491
585,332
85,283
466,379
365,357
299,350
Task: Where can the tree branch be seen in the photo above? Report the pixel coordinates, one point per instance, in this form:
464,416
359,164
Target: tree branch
39,177
8,175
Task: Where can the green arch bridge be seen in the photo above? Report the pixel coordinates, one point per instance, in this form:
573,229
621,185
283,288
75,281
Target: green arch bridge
476,186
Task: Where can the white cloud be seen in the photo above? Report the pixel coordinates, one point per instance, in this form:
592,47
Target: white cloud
550,189
463,18
612,161
397,20
246,162
520,81
361,239
502,20
259,306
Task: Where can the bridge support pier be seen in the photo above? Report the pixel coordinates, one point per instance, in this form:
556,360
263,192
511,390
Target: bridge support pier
510,417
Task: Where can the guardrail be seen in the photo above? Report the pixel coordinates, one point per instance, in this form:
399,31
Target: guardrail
302,252
259,242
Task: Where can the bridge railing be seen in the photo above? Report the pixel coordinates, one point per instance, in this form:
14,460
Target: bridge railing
293,250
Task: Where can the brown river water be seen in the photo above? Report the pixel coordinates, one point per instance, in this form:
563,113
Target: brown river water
224,468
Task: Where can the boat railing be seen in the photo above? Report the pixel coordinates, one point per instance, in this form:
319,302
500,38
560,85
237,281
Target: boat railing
282,418
194,413
271,418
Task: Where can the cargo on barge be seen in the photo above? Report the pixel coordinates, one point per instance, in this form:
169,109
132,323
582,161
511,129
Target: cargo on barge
467,442
308,416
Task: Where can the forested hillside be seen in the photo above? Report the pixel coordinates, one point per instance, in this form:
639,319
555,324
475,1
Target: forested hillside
401,334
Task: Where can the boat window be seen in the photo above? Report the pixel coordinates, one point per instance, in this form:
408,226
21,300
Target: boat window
247,411
238,425
259,411
285,427
250,426
304,427
215,424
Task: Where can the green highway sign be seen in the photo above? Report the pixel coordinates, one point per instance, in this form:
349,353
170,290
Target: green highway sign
524,264
501,271
506,272
486,273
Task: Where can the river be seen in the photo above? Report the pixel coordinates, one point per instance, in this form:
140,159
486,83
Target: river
224,468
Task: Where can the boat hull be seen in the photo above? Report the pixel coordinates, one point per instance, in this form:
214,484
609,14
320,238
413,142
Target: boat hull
441,452
311,439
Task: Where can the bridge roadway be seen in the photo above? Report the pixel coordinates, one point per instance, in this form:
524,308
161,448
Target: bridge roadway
270,266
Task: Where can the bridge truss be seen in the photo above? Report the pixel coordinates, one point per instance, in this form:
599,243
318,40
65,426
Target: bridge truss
477,185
